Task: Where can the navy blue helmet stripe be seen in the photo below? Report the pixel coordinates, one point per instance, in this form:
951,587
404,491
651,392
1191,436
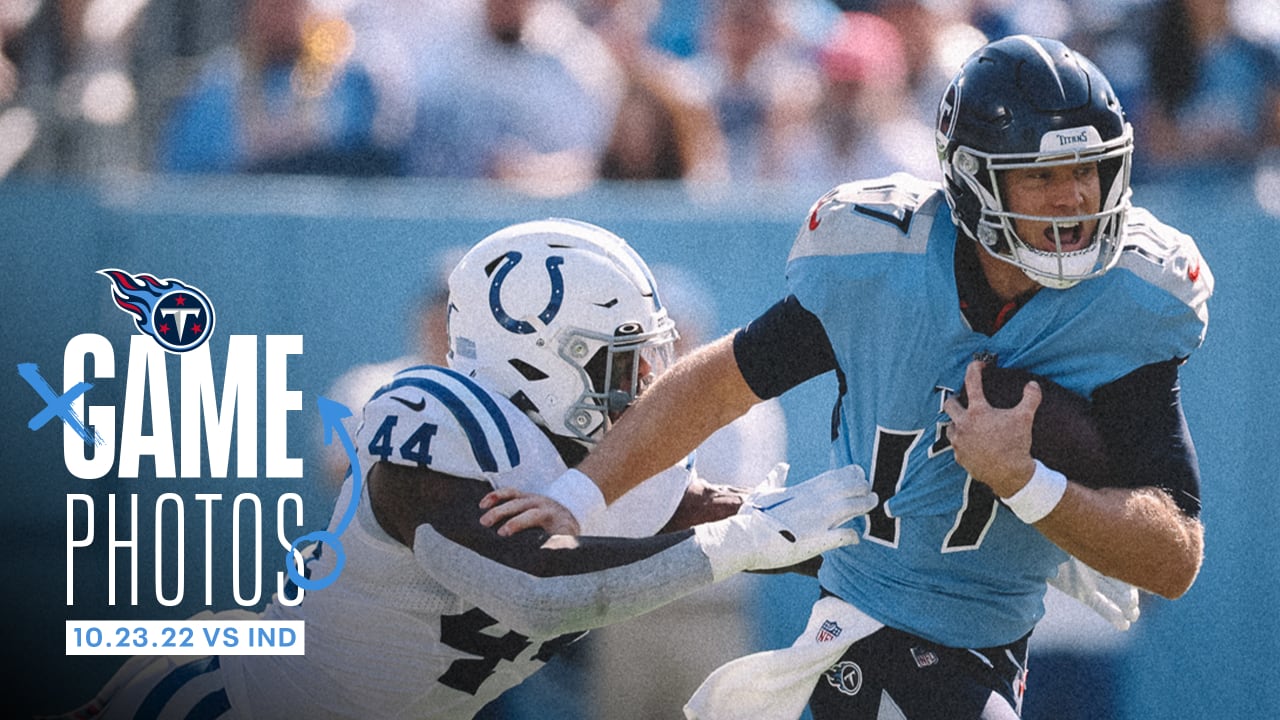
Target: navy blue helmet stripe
475,434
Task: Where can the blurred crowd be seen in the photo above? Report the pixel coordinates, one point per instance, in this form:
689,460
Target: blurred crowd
550,96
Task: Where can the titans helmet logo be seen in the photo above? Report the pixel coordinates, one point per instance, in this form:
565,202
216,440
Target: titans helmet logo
177,315
947,110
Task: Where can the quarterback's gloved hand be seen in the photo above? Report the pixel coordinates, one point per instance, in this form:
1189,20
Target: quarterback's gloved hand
1115,600
790,525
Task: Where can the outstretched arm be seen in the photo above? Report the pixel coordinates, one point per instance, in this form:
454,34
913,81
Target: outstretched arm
697,396
544,585
782,348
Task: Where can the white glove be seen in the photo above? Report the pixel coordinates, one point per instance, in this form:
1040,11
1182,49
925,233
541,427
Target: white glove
790,525
773,483
1115,600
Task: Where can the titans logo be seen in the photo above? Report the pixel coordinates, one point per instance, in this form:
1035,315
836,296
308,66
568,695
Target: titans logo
177,315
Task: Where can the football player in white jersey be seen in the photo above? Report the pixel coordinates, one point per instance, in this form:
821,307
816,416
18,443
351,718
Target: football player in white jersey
1029,256
555,327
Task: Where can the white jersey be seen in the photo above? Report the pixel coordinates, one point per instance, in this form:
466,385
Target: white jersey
389,640
440,630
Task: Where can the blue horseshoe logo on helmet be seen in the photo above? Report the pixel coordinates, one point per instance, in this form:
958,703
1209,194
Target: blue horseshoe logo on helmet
548,313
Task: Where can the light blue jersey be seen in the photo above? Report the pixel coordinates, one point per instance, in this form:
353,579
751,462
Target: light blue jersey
941,557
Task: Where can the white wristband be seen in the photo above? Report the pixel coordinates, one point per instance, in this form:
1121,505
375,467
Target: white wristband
579,495
1039,496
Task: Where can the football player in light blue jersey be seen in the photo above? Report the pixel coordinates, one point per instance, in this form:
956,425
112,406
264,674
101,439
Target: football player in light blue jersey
555,327
1031,256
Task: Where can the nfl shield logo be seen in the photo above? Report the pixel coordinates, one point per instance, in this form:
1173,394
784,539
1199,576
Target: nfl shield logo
924,657
829,631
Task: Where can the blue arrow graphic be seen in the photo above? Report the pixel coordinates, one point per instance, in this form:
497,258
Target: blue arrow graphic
331,414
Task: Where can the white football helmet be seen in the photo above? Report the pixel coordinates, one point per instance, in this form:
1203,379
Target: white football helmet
563,318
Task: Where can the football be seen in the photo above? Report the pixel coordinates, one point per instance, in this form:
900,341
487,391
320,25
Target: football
1063,435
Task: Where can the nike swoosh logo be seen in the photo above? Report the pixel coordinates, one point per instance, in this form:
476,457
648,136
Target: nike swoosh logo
767,508
416,407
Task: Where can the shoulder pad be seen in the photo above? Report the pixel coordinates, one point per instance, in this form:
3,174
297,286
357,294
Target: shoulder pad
892,214
1167,258
438,418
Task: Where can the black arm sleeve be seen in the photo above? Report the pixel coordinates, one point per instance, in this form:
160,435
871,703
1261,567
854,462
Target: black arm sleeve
782,348
455,514
1141,420
538,585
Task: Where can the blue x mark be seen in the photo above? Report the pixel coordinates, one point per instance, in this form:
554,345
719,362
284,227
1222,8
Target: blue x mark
55,405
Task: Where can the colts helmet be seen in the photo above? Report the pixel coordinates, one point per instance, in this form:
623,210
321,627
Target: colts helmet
1024,102
563,318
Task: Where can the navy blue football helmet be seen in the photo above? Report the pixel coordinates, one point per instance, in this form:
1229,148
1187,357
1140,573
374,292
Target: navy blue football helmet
1022,102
